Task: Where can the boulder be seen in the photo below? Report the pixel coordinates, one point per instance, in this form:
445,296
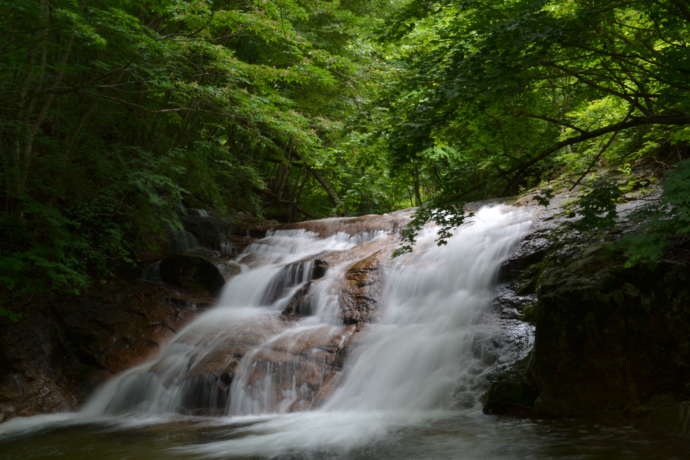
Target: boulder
608,337
511,392
361,290
302,366
192,272
299,305
291,275
209,231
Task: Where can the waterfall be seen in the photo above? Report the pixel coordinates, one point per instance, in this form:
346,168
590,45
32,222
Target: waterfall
424,346
218,364
416,340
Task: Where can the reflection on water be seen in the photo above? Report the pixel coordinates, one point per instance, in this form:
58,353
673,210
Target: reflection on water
448,436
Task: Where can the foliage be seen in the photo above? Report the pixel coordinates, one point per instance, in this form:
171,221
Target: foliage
115,116
664,223
447,218
493,97
597,206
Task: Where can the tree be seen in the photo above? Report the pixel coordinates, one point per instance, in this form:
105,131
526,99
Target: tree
495,96
115,115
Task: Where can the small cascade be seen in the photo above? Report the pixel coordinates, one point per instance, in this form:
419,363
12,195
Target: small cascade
278,339
323,326
271,345
425,351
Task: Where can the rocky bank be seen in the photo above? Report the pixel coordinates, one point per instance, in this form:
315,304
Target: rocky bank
611,341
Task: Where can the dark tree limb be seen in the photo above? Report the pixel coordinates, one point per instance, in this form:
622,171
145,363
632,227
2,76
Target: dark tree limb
603,149
332,194
328,188
666,119
552,120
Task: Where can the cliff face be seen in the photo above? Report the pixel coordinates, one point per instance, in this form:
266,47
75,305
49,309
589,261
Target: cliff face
61,349
610,340
59,352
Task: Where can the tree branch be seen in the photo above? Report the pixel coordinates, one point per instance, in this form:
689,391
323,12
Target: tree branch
666,119
552,120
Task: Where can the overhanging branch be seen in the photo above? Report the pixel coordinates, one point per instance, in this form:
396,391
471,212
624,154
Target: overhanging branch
667,119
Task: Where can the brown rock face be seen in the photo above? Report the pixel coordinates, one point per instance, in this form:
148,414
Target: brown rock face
303,366
294,370
362,289
353,225
58,353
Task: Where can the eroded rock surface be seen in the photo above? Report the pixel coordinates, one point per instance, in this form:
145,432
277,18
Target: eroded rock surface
362,289
609,338
293,370
58,353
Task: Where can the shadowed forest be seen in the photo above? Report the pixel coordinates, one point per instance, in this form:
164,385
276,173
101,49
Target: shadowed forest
119,116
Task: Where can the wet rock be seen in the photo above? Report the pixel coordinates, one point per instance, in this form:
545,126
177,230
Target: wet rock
319,269
362,288
609,336
59,352
529,252
210,231
295,371
510,305
192,272
366,225
292,275
663,413
230,269
182,241
299,305
303,366
511,392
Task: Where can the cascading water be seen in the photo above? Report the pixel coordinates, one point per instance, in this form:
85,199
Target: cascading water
218,364
277,339
423,348
426,352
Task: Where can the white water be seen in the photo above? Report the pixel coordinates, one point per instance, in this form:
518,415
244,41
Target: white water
425,354
422,349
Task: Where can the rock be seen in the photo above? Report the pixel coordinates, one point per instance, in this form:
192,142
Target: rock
182,241
367,225
192,272
529,252
319,269
664,413
210,231
608,337
303,367
230,269
363,283
511,392
299,305
292,275
58,353
510,305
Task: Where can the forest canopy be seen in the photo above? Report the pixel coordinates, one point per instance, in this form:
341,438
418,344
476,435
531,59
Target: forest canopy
117,116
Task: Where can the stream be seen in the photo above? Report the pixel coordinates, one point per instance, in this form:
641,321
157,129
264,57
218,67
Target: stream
324,346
